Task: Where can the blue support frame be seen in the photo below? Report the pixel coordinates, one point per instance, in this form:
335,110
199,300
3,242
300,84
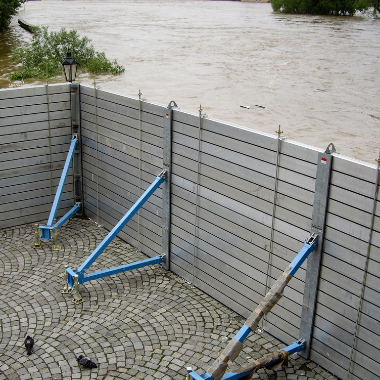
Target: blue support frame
46,235
297,346
308,247
80,272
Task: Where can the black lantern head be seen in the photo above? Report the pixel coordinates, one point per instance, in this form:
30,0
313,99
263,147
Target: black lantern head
69,67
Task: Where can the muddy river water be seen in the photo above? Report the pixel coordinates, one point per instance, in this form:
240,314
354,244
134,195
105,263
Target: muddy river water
318,77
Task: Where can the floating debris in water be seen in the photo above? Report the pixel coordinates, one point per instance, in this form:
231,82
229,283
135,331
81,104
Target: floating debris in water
248,107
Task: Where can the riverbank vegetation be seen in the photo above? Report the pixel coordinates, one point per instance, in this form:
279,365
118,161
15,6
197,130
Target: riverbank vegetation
41,58
8,8
326,7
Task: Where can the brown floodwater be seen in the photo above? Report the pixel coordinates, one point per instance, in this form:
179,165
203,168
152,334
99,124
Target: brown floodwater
316,76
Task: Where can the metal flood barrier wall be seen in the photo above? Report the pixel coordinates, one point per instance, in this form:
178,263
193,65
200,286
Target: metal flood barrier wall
35,133
242,203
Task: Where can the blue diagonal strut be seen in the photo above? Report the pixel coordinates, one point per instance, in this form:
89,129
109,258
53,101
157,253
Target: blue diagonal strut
49,225
308,247
297,346
80,272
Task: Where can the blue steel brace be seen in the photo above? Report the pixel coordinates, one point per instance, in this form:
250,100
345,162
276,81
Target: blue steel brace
80,272
297,346
308,247
49,225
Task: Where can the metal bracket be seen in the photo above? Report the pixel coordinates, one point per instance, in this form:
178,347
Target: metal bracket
37,243
301,343
77,299
312,238
56,247
47,229
330,149
76,277
172,104
163,174
188,369
66,288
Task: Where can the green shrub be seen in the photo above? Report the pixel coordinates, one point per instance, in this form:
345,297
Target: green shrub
8,8
42,57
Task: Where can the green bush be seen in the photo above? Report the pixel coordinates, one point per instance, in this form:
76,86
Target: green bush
321,7
8,8
42,57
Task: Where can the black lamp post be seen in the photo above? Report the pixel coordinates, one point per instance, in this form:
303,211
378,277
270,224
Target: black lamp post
69,67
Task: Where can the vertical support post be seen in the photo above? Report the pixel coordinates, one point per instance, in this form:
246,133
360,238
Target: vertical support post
166,186
365,271
56,247
77,157
275,190
77,299
196,221
321,195
51,161
97,153
37,243
66,289
140,152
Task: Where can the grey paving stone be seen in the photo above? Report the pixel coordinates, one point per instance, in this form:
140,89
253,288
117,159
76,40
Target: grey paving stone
143,324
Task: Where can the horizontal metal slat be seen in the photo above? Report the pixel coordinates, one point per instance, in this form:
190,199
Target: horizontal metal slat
296,213
34,209
14,142
34,118
14,112
34,190
148,240
227,276
29,148
33,100
258,166
254,151
148,211
246,180
292,148
120,114
123,137
117,174
120,123
24,129
33,91
148,152
10,168
147,106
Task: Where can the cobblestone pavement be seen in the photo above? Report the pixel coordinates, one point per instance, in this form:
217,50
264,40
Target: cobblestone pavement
144,324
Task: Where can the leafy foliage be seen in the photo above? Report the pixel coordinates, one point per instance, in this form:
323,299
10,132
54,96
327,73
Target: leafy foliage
42,57
7,10
321,7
